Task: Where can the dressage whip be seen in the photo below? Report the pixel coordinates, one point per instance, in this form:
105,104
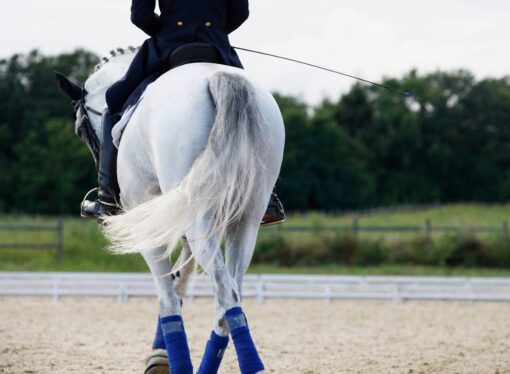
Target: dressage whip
402,93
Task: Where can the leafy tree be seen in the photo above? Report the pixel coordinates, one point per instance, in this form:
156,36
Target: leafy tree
449,142
31,100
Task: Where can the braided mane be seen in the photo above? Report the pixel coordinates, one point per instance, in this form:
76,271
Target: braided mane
113,54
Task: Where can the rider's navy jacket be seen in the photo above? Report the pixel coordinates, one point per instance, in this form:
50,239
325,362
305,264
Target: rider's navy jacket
180,22
183,21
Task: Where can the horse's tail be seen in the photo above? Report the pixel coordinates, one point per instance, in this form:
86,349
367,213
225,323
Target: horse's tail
217,189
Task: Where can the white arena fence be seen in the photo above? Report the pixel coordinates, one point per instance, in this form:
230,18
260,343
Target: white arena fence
262,287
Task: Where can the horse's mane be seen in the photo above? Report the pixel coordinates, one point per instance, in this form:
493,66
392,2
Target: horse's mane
101,77
113,54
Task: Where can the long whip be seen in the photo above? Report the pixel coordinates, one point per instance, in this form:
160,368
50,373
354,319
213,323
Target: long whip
403,93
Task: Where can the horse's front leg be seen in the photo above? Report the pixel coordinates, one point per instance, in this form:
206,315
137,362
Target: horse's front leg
229,317
170,328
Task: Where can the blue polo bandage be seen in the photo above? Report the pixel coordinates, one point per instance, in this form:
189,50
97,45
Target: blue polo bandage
159,339
176,343
214,351
247,356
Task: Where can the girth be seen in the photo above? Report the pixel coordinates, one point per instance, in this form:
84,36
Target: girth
194,52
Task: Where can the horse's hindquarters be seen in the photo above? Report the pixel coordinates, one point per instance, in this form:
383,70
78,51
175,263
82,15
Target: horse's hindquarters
211,142
172,125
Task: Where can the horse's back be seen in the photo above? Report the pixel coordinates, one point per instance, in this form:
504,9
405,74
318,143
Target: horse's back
172,124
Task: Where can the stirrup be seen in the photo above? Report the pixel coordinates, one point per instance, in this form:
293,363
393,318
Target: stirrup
85,198
109,208
115,204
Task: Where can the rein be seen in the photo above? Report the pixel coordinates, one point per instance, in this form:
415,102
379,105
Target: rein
93,111
84,128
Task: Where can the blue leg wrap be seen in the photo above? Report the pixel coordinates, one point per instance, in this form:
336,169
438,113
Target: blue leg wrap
159,339
213,355
249,360
176,345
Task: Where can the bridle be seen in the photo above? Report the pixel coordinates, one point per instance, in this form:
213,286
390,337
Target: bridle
93,111
84,128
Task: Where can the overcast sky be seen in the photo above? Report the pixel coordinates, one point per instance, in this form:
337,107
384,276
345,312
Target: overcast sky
369,38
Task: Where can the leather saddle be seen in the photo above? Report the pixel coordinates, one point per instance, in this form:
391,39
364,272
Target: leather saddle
185,54
194,52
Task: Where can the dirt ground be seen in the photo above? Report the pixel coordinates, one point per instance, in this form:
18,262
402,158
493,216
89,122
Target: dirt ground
102,336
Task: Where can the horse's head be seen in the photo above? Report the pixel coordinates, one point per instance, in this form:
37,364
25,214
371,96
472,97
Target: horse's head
87,118
89,100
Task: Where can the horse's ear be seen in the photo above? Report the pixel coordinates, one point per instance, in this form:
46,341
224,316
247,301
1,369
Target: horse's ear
69,88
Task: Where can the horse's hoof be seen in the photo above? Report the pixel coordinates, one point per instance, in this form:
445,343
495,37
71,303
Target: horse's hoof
157,363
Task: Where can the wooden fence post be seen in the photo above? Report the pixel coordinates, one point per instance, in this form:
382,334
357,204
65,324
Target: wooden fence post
355,227
60,245
428,229
505,227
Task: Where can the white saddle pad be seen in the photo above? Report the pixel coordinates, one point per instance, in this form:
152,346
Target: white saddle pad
119,127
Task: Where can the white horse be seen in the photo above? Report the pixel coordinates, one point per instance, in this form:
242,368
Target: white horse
196,164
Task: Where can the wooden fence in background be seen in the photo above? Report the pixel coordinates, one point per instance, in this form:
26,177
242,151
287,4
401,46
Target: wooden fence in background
427,229
355,228
57,245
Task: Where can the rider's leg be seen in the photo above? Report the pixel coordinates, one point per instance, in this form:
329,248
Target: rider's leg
106,203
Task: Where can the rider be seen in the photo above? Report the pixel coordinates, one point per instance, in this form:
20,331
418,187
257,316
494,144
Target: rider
180,22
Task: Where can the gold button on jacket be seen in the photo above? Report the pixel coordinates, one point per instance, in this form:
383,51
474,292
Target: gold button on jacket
180,23
208,24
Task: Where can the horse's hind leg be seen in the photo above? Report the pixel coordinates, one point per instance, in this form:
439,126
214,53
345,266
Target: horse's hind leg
229,317
170,326
240,245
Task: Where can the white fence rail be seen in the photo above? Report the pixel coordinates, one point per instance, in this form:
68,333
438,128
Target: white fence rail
261,287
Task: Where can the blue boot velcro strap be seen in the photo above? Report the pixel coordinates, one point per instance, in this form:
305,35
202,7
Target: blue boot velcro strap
159,340
214,351
172,326
247,355
176,345
235,318
237,321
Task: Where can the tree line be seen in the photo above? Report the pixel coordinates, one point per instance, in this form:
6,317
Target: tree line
448,142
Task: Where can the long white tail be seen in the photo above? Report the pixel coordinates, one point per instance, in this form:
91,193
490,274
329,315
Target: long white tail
218,187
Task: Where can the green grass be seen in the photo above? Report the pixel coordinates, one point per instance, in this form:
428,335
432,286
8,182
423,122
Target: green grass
459,214
467,216
84,244
83,249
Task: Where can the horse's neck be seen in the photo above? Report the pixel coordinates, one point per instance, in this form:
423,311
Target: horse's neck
97,84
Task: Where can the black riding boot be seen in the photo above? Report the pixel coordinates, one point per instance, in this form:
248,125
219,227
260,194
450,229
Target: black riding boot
106,203
274,213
